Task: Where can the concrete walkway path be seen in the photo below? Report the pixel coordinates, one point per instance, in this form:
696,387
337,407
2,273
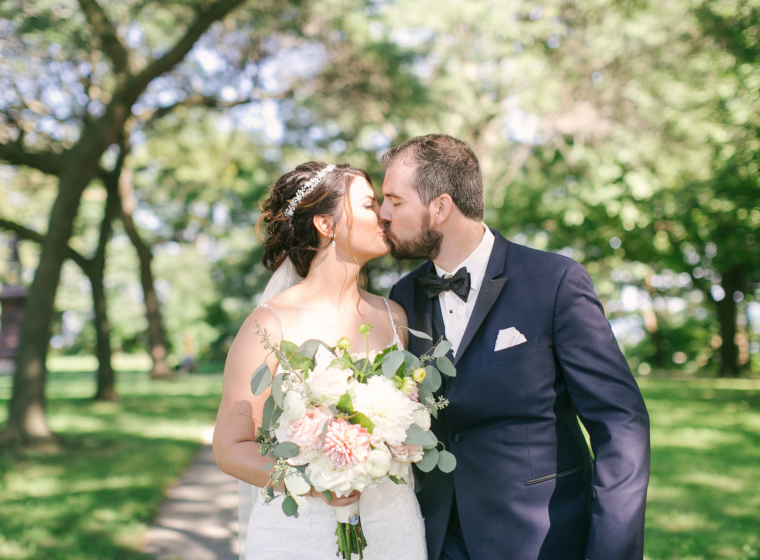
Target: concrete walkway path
199,518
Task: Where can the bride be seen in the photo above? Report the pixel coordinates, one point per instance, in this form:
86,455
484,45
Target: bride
322,226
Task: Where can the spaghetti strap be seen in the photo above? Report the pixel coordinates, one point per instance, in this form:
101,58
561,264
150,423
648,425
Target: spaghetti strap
272,309
393,323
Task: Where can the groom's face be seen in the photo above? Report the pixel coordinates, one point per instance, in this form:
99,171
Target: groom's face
405,217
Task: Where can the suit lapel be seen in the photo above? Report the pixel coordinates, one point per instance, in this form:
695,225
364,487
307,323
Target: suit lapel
423,313
493,283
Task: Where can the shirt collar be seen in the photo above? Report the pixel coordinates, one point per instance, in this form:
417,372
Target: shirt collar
477,262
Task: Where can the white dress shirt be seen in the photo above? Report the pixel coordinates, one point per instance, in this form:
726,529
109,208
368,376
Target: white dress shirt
456,313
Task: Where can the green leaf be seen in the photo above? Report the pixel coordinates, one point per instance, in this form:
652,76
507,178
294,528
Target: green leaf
397,480
345,404
277,393
290,507
442,348
266,419
392,362
270,492
285,450
328,496
432,378
300,362
419,334
344,361
445,366
268,466
412,361
363,421
362,364
288,348
429,461
260,380
446,461
417,436
324,432
309,348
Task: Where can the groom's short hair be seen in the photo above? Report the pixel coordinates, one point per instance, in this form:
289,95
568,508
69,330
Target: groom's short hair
445,165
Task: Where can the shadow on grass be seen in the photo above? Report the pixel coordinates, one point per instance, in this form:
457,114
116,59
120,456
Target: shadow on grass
92,497
703,501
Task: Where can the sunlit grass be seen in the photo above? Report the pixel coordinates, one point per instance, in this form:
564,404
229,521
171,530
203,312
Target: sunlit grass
92,497
703,496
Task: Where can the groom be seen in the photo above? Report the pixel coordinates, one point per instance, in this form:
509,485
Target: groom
533,353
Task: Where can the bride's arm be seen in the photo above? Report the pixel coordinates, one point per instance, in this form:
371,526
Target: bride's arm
235,451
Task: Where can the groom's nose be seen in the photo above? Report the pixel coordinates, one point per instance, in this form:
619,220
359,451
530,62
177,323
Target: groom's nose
385,215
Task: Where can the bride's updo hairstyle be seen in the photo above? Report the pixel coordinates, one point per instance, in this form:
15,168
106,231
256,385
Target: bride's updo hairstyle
295,236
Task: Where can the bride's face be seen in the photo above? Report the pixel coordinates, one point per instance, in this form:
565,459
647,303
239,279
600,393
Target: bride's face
359,233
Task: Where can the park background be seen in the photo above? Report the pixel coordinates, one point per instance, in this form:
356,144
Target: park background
137,138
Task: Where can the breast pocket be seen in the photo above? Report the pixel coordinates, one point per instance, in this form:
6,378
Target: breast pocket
512,351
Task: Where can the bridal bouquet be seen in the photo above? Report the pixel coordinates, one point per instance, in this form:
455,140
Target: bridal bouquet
342,422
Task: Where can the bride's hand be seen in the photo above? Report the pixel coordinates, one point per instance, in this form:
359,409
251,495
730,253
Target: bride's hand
336,501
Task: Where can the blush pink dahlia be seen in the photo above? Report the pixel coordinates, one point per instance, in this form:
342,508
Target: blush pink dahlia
345,444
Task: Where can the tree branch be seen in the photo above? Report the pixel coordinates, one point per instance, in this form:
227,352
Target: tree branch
37,237
106,32
195,100
15,154
205,18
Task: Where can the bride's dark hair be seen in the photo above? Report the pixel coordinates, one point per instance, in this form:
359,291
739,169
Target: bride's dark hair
295,236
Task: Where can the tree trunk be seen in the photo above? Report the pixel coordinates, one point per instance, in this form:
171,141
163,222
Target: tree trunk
729,352
156,333
106,379
26,415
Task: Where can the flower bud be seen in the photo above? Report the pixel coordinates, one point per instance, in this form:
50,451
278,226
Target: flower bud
378,462
343,343
418,374
293,406
408,386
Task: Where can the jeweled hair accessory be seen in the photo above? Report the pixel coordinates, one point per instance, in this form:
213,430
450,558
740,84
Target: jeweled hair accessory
306,189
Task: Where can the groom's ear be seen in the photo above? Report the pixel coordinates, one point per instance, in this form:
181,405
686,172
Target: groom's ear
441,208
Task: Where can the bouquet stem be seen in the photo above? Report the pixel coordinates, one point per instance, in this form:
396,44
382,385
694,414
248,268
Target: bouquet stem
349,531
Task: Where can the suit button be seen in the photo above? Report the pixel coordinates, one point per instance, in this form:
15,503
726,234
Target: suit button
455,438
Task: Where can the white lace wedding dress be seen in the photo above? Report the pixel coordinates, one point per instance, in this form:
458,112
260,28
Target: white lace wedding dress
390,516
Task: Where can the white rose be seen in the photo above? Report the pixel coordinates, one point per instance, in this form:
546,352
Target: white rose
422,417
327,384
293,405
323,476
356,356
378,461
387,408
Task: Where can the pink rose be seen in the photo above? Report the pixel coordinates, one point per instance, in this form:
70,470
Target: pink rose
407,453
306,433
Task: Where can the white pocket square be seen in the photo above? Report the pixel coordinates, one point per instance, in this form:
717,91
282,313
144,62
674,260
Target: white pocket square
508,338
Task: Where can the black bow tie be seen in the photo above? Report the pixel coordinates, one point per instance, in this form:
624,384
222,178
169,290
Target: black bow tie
459,284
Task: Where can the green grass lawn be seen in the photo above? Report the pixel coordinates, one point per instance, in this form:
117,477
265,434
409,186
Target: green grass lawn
92,498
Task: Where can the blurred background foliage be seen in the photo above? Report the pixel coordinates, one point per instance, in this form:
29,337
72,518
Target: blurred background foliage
622,134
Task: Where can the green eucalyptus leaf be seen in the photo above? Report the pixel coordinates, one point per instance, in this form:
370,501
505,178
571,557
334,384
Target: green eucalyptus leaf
446,461
328,496
277,393
445,366
285,450
412,361
266,419
429,461
290,507
297,361
419,334
442,348
392,362
432,378
309,348
260,380
288,348
417,436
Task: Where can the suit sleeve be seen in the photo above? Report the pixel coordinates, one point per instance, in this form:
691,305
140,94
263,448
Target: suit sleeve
610,406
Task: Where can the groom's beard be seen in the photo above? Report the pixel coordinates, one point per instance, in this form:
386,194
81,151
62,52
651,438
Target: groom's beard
426,245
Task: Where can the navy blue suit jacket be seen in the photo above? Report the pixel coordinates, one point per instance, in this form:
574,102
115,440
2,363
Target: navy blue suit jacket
526,485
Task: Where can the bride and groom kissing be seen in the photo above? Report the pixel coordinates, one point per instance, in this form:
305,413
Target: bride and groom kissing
532,348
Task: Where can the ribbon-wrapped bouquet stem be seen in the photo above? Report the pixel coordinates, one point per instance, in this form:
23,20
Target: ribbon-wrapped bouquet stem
342,422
